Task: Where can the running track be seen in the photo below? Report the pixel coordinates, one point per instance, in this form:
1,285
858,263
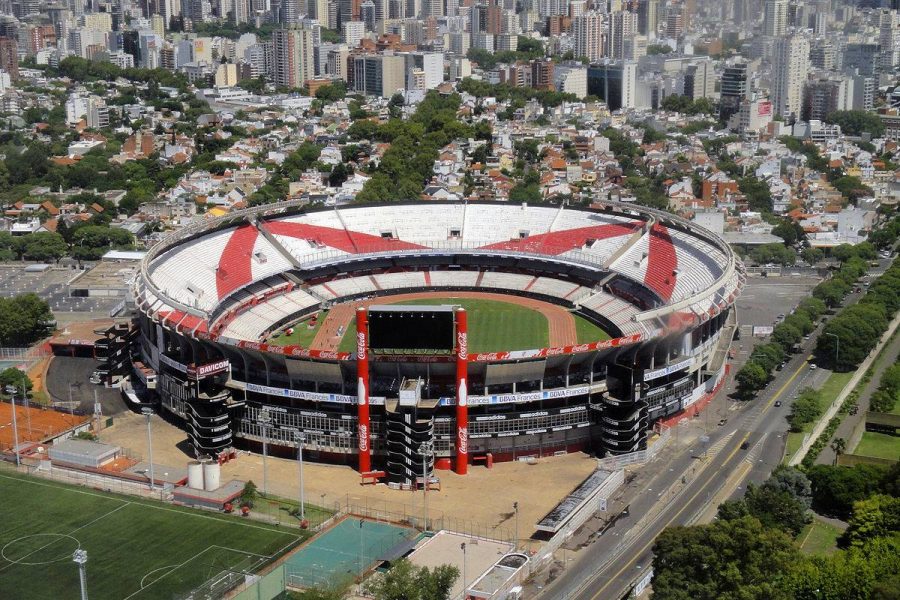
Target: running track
560,321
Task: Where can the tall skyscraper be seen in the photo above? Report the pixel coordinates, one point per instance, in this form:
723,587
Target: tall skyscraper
588,30
9,57
293,56
775,18
791,68
622,29
733,91
647,19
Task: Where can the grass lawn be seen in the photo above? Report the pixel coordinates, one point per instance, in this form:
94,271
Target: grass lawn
303,335
588,332
136,548
819,538
794,441
879,445
833,386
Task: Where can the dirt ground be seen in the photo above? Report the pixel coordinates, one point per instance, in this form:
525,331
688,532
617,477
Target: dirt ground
480,502
560,321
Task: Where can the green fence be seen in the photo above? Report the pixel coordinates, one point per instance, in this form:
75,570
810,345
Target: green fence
268,587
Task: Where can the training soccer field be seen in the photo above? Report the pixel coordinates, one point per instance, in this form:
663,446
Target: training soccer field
136,548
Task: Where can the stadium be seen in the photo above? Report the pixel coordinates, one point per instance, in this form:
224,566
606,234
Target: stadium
444,333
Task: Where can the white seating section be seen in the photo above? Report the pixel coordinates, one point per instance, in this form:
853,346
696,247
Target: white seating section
187,273
210,274
454,278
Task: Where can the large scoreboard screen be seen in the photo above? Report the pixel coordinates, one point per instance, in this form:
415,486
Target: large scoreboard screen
405,327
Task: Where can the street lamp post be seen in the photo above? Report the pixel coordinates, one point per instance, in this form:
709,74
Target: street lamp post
298,435
516,508
425,449
462,547
265,418
837,347
80,558
148,412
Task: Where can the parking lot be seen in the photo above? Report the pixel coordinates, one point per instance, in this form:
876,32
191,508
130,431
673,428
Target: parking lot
52,285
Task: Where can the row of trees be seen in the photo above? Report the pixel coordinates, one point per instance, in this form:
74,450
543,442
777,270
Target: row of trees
848,338
751,551
756,372
885,397
403,581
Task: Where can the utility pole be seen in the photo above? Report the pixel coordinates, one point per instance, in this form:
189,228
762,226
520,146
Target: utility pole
265,418
80,558
462,547
148,412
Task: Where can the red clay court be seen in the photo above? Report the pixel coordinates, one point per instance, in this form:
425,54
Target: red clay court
34,424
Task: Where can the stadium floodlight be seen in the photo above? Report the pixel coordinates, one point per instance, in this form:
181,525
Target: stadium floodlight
425,450
79,557
12,399
265,417
148,412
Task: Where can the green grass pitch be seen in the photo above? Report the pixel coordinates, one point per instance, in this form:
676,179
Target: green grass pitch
137,549
494,326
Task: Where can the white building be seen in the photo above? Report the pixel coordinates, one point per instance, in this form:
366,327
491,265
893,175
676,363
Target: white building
790,70
588,30
571,80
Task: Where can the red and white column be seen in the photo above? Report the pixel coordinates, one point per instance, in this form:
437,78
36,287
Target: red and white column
462,392
362,389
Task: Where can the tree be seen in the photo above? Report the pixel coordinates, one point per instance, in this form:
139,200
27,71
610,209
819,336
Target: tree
786,335
724,560
805,409
857,122
15,378
44,246
332,92
811,255
777,507
405,581
838,445
24,320
92,242
835,488
339,174
876,516
653,49
789,231
831,292
249,494
750,378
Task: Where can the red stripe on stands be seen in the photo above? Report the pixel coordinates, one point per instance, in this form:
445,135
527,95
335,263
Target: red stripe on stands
557,242
235,269
661,262
428,278
341,239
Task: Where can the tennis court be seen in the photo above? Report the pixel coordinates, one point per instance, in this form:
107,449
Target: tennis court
343,552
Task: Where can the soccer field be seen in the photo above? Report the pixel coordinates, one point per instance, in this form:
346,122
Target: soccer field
136,548
495,326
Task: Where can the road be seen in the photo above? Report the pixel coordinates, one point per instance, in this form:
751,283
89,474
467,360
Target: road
693,485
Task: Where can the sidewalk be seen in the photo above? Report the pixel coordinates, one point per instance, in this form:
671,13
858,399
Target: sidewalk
836,405
887,358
